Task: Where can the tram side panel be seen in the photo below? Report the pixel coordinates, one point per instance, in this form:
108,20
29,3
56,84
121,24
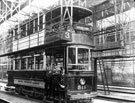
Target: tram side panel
26,78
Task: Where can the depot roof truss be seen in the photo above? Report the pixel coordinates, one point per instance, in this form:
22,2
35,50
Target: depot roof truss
10,8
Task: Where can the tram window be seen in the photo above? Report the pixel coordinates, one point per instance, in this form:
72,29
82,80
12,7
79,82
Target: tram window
56,19
11,64
48,16
28,29
31,63
31,27
36,24
48,26
23,63
41,22
23,31
16,34
83,55
17,64
39,62
71,55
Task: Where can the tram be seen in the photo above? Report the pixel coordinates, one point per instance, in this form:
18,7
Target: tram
51,56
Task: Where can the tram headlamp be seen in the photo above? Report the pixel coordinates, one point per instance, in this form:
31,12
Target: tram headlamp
82,81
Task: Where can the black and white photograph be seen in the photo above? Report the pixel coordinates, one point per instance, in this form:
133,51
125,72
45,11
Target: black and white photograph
67,51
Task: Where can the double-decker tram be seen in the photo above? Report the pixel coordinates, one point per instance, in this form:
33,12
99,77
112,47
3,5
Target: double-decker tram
52,56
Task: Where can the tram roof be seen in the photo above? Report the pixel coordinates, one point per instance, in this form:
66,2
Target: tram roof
78,12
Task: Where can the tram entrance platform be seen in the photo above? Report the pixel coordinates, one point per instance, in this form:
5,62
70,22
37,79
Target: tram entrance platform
119,93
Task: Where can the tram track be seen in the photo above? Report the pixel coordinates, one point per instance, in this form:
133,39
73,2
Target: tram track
115,100
3,101
100,99
12,97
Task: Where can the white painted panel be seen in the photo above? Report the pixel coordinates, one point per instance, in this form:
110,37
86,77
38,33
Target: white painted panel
33,36
33,42
29,41
41,37
38,84
15,45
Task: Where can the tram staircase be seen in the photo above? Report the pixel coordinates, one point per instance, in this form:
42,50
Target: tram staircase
104,76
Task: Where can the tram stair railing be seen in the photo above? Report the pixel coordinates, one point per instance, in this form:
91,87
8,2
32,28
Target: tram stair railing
104,76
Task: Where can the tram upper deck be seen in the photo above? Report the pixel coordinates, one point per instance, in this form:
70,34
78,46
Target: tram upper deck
61,25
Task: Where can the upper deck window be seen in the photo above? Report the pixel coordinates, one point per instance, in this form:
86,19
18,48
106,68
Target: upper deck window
28,28
23,31
36,24
41,23
31,27
16,34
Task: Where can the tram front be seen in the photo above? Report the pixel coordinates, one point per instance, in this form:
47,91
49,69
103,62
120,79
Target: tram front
81,71
74,47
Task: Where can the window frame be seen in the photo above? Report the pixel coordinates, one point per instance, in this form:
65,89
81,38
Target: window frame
80,64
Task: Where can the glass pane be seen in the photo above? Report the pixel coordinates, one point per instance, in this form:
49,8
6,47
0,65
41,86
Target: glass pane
83,55
31,27
23,31
36,25
23,63
28,28
16,34
39,62
31,63
16,64
71,55
41,23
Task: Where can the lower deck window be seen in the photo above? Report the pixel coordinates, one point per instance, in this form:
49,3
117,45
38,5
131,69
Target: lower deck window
72,55
83,55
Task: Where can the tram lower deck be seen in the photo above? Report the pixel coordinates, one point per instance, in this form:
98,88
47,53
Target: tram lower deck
67,75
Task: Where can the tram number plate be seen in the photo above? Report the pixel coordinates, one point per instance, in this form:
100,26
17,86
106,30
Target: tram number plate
80,87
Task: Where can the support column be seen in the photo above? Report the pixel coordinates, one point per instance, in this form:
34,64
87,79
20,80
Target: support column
44,60
20,64
27,63
94,23
14,64
95,73
34,62
44,25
